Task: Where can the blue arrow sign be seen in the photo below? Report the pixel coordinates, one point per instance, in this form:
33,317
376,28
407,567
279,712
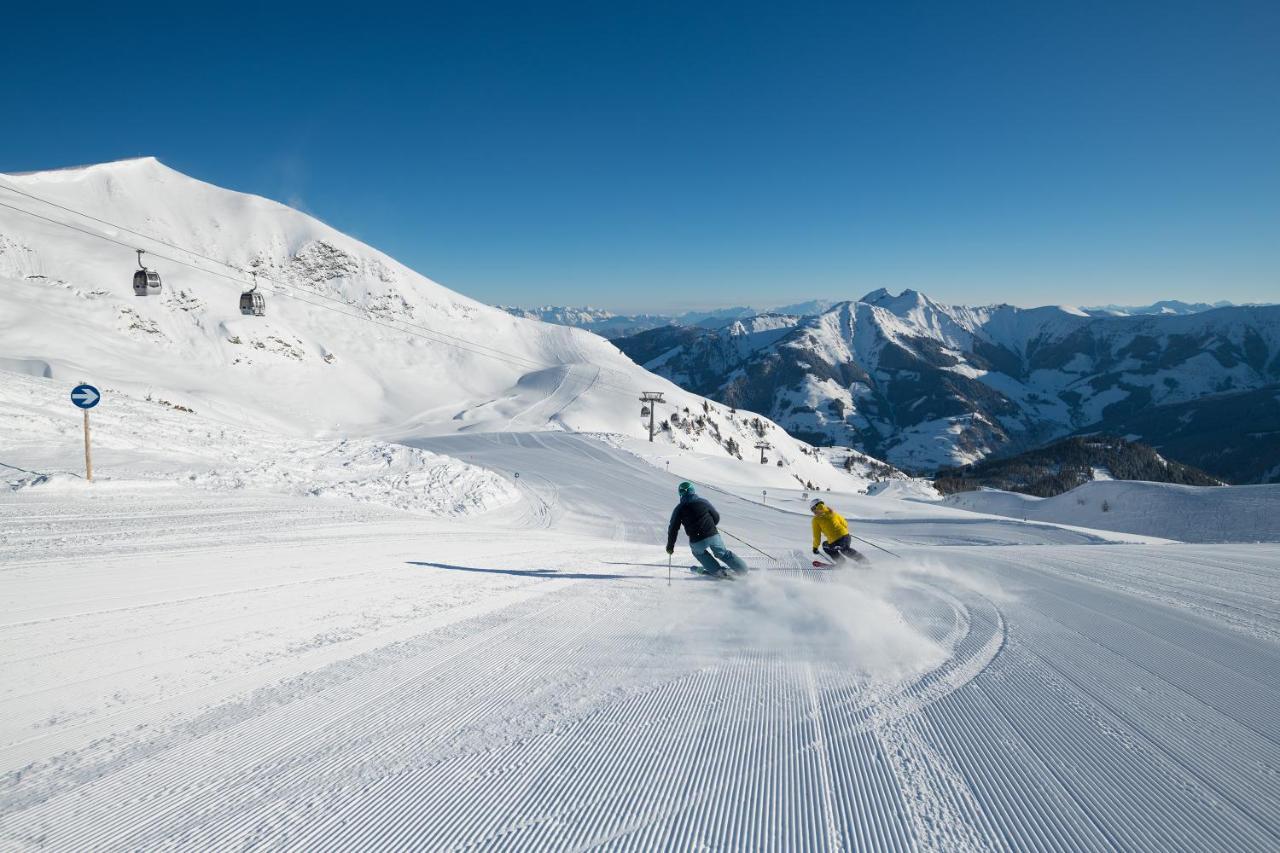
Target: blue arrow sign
85,396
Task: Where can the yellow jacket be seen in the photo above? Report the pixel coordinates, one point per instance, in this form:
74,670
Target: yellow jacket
830,522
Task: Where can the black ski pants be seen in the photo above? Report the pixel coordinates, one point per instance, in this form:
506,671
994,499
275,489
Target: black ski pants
841,548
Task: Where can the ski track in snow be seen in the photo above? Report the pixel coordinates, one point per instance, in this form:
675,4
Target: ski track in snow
254,671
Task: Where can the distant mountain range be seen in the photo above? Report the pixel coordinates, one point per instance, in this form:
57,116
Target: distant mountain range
926,385
610,325
598,320
1165,306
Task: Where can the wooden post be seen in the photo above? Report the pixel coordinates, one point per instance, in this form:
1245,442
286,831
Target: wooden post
88,455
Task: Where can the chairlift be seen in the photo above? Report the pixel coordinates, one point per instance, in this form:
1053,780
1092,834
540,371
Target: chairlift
145,282
252,302
644,411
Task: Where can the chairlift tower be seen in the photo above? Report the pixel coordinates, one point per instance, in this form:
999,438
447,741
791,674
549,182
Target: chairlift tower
651,399
762,446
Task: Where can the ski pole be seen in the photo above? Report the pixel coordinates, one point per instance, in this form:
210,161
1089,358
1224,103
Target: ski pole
874,545
748,544
668,570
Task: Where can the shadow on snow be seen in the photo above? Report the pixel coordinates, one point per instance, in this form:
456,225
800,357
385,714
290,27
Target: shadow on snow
529,573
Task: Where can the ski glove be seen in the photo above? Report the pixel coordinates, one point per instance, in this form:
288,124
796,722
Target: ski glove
815,550
671,550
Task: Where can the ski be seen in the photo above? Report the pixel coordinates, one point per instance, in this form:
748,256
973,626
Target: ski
720,576
818,564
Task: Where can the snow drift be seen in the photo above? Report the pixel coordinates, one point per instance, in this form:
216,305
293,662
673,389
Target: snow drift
149,441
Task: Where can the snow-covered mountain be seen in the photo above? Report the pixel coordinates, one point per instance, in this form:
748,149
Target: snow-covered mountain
808,308
353,343
926,385
597,320
613,326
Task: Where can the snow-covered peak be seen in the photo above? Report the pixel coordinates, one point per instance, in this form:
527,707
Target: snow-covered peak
808,308
761,323
129,164
911,315
156,208
912,298
905,302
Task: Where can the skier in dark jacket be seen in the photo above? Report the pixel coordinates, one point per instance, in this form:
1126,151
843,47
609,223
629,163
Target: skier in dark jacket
699,519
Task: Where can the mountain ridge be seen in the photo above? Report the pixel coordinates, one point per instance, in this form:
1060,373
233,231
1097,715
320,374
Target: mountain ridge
927,385
613,324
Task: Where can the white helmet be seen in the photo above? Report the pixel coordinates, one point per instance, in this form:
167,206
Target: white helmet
815,503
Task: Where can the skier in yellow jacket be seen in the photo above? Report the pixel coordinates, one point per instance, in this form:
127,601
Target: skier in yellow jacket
827,522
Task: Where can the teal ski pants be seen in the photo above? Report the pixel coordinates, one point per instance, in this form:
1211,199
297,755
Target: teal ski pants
707,550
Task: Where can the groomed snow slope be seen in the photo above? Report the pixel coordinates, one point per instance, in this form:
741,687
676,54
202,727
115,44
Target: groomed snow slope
1184,513
212,671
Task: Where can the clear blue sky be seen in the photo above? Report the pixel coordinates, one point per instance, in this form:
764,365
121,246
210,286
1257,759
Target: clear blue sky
661,156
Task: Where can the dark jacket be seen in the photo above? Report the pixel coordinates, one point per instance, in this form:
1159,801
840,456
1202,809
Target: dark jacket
697,515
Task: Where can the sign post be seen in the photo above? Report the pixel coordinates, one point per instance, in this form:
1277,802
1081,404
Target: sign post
86,397
88,453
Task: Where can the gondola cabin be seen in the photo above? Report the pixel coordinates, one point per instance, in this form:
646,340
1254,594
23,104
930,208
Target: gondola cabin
145,282
253,303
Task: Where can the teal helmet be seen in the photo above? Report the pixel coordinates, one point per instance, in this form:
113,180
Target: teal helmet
685,488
